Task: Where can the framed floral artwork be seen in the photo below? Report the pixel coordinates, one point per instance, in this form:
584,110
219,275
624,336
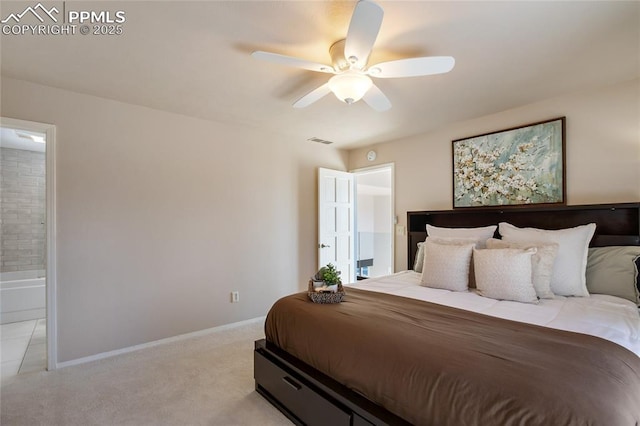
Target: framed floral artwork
514,167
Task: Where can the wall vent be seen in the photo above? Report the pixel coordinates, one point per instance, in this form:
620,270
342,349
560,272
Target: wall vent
320,141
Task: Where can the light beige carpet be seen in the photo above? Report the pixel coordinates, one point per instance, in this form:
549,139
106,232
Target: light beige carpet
205,380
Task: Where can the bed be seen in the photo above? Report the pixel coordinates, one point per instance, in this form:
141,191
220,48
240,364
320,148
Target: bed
399,351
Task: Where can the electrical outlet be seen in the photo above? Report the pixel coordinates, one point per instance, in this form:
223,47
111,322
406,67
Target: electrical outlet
235,296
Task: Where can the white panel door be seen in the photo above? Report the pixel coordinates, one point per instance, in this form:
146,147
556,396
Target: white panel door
336,220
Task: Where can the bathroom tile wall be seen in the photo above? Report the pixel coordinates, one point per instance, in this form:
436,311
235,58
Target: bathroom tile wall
22,210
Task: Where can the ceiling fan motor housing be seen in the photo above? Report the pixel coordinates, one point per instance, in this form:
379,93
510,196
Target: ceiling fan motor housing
338,60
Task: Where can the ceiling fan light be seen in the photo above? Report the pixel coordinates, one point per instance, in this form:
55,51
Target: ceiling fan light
350,86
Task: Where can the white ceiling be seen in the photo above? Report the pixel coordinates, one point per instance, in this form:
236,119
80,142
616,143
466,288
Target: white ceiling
193,58
374,182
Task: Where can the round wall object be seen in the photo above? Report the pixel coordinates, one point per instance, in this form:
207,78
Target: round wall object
371,155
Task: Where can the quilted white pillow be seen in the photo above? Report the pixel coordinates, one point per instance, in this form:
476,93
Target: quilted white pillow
462,241
419,261
505,274
568,277
541,263
446,266
480,234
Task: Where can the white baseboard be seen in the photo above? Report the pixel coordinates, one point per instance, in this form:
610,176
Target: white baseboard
24,315
177,338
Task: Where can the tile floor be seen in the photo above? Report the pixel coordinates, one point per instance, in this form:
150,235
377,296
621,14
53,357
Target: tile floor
23,347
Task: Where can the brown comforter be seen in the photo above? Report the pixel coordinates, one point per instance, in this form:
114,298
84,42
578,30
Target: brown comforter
436,365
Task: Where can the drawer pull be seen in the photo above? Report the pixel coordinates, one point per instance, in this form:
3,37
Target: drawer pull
291,383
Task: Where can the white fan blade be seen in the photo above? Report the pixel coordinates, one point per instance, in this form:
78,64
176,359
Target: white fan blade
313,96
412,67
292,62
363,31
376,99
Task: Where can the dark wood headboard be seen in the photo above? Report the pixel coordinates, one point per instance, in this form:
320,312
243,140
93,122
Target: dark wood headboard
617,224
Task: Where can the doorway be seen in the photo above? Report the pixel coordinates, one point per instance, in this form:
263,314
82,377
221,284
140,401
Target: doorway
374,221
27,260
356,221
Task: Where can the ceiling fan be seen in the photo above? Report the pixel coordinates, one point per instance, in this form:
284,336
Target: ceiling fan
349,57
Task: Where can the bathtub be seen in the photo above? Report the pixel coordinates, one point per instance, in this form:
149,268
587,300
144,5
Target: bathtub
22,296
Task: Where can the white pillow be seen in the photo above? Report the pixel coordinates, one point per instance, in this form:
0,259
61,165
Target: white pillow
541,263
453,241
480,234
419,260
568,277
446,266
505,274
462,241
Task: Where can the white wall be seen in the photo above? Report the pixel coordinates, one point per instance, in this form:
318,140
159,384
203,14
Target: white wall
160,216
373,187
602,152
365,226
382,243
366,222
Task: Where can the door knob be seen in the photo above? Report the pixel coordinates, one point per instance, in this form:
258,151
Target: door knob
324,245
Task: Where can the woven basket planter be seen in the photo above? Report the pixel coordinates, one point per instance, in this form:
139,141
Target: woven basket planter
329,297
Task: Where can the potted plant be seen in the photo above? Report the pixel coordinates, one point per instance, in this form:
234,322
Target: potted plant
327,278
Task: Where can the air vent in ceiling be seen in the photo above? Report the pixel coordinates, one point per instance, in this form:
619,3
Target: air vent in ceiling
320,141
